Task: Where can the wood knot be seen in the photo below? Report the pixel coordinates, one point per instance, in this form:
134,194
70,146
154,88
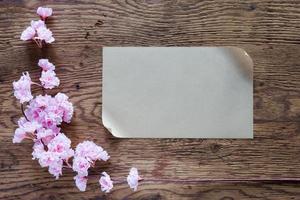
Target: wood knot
99,23
87,35
215,148
252,7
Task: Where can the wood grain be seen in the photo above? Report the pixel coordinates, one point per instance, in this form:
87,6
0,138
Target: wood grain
267,167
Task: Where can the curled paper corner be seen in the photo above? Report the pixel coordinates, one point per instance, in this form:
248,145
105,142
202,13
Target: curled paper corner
108,125
242,59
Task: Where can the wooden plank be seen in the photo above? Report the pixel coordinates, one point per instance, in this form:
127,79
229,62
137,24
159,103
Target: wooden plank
268,30
158,190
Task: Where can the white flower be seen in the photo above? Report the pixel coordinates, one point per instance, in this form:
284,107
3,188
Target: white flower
133,178
80,182
49,79
28,33
22,88
44,12
105,182
45,34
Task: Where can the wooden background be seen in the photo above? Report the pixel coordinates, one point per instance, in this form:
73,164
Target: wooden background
267,167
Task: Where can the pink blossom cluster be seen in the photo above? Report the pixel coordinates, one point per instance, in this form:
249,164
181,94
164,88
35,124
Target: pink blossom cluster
48,78
43,116
86,154
22,88
41,122
38,31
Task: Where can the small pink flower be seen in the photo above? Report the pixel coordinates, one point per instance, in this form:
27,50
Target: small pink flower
55,168
80,182
22,88
133,178
50,119
19,136
38,150
61,145
44,12
25,127
37,24
28,126
28,34
49,79
65,106
42,101
61,98
45,34
47,158
81,165
46,135
22,121
103,155
91,151
46,65
105,182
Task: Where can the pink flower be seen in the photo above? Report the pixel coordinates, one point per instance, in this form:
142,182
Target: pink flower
19,136
80,182
55,168
103,155
25,127
42,101
45,34
46,65
44,12
61,98
65,106
46,135
91,151
22,88
105,182
81,165
44,109
38,150
28,126
28,34
50,111
22,121
49,79
48,158
61,145
59,150
37,24
133,178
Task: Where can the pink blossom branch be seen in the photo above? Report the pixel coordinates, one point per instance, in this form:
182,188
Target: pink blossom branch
44,129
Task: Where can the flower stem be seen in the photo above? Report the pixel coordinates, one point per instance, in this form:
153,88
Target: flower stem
22,108
34,83
68,164
43,89
37,41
